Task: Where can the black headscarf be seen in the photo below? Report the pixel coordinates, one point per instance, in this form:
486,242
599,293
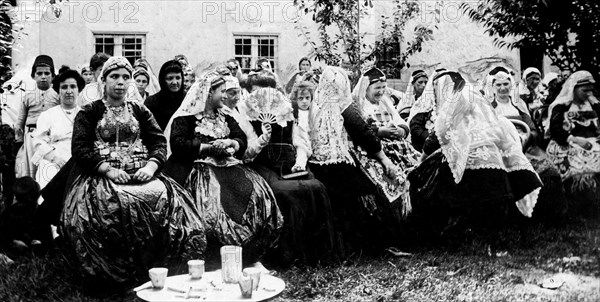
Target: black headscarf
164,103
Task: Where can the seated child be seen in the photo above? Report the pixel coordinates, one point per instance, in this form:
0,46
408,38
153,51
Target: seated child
301,97
16,223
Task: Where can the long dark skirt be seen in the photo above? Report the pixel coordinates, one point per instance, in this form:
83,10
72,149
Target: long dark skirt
552,202
118,232
238,208
483,195
308,235
352,196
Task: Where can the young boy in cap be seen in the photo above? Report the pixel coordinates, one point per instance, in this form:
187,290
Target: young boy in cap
34,102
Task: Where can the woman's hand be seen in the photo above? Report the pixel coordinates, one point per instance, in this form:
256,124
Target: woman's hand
266,129
146,173
56,159
224,146
391,132
298,168
118,175
390,169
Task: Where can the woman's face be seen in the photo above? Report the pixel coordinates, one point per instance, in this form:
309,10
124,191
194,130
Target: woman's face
376,91
533,81
305,65
174,81
68,92
304,99
232,97
502,87
88,76
116,83
217,96
584,92
141,82
419,85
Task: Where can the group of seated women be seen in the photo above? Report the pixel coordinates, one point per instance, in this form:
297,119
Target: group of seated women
298,177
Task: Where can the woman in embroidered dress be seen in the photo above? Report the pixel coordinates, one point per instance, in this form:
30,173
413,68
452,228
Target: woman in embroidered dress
52,138
475,165
308,228
236,203
551,202
574,147
121,216
378,110
334,120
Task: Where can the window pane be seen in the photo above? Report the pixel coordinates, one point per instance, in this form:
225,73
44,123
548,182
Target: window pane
248,49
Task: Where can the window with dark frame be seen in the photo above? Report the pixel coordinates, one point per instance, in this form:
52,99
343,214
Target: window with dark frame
249,48
130,46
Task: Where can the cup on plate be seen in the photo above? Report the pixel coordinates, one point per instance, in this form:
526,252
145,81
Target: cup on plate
196,268
254,274
245,284
158,275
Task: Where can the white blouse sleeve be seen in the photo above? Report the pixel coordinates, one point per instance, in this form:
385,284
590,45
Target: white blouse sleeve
41,137
301,139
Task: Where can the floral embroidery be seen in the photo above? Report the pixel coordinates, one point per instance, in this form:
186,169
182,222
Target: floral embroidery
212,125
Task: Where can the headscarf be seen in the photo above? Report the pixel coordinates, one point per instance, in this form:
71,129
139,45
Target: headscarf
566,95
328,135
549,77
164,103
373,76
473,137
426,102
515,100
141,71
114,63
502,73
194,101
231,82
153,84
409,95
523,89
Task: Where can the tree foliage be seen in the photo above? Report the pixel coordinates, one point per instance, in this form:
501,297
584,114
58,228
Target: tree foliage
568,31
6,38
341,41
11,30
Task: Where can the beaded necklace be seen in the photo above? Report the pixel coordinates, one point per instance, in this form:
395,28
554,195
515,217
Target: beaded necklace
120,117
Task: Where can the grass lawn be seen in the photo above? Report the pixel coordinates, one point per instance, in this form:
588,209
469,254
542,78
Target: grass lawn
453,269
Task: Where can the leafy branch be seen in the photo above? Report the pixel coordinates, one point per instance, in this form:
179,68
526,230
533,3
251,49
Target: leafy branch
567,31
342,41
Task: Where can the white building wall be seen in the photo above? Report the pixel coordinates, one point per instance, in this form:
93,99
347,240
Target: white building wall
203,31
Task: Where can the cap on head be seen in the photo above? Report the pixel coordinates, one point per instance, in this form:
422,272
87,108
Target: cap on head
43,60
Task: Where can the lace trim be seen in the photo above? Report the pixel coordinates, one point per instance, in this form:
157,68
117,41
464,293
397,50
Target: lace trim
332,162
